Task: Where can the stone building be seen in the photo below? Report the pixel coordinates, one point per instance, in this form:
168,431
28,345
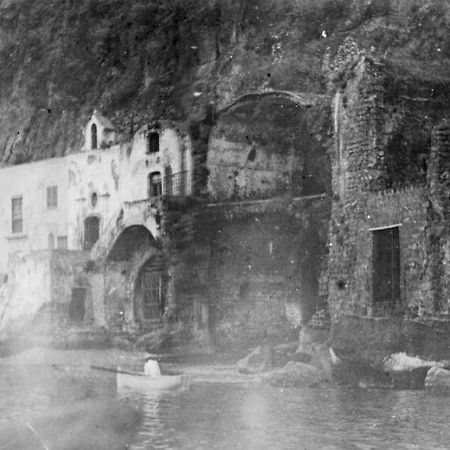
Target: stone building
388,264
207,230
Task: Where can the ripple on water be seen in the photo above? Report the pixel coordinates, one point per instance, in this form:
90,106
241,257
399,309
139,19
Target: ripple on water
212,416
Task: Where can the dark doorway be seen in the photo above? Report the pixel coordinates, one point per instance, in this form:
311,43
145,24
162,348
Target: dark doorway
91,231
77,307
386,266
151,287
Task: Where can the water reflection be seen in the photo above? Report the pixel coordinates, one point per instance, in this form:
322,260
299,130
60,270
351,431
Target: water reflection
69,410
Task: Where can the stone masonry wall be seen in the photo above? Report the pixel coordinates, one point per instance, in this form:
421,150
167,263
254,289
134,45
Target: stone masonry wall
264,267
438,178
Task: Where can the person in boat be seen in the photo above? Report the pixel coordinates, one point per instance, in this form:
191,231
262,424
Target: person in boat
151,368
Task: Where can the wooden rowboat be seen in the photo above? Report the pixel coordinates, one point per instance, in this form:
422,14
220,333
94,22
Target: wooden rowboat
139,381
128,380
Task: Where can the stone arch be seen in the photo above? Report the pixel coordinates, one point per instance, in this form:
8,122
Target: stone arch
133,246
299,98
132,239
271,142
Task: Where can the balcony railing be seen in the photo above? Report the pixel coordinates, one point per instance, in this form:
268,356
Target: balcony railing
176,184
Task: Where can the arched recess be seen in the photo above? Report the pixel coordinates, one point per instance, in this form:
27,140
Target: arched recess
150,290
272,145
91,231
131,240
134,245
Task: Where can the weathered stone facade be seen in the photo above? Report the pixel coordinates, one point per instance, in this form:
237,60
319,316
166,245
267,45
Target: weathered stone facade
207,232
389,230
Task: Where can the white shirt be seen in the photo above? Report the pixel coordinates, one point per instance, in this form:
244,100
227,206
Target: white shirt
151,368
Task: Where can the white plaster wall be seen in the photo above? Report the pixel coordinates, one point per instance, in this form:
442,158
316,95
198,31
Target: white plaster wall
28,289
93,171
31,181
136,165
117,174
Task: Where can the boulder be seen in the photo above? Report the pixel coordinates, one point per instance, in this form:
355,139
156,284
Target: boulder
359,373
409,379
297,374
259,360
438,379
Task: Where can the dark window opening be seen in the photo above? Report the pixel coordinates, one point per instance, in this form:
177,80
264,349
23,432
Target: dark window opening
386,266
252,155
93,136
94,199
154,185
91,232
62,242
17,214
52,197
77,306
152,142
51,242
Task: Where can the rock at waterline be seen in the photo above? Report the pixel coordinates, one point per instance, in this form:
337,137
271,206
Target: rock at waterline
297,374
438,379
409,379
359,373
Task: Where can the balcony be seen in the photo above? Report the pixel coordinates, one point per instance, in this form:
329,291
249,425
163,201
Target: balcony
176,184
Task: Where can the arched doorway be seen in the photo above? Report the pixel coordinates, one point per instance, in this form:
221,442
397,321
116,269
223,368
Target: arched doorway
91,232
77,305
151,290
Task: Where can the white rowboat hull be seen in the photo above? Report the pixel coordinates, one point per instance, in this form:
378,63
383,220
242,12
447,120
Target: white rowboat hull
144,383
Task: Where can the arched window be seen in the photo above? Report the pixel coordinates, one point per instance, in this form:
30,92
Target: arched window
91,231
93,136
51,242
154,185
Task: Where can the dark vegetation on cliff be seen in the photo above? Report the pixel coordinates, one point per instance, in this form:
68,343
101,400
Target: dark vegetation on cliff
138,60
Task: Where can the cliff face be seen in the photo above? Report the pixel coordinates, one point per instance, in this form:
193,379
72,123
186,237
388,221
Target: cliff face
137,60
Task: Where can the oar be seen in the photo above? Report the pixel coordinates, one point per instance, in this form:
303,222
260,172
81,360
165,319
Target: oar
111,369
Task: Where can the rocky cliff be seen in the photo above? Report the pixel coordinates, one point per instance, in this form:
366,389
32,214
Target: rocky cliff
138,60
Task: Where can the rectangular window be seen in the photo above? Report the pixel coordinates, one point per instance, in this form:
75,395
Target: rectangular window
153,142
52,197
16,215
62,242
386,266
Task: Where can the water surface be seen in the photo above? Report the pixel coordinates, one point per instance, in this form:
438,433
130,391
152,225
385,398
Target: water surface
58,408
